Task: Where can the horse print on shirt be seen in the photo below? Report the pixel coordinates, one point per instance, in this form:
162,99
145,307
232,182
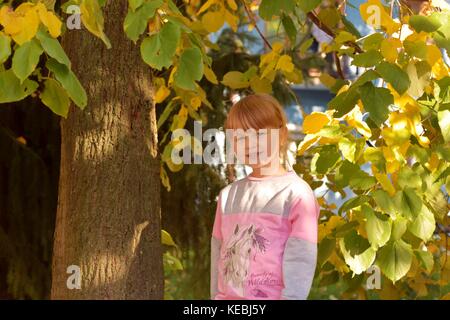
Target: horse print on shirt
244,244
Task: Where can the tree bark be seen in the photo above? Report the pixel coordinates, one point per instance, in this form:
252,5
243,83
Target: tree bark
108,217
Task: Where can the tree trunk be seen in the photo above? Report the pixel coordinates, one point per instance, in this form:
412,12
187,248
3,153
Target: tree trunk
108,217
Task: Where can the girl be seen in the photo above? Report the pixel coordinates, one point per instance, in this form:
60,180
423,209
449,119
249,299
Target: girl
264,238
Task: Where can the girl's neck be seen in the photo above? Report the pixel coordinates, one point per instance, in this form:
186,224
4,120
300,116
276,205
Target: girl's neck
275,170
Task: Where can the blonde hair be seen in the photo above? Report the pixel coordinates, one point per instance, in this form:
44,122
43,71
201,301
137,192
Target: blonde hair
259,111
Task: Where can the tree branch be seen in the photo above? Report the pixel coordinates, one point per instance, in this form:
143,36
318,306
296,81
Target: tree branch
338,66
313,17
252,19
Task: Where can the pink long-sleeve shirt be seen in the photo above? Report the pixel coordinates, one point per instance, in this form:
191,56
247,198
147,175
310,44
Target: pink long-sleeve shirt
264,239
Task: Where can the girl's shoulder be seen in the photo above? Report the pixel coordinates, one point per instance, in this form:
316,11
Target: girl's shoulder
290,187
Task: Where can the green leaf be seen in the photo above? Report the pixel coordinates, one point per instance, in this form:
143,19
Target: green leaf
5,47
326,248
395,259
360,261
424,23
399,226
55,97
373,41
367,76
325,159
361,180
171,263
269,8
444,91
367,59
344,229
26,58
134,4
378,227
384,202
425,258
442,35
190,69
52,47
158,49
353,203
69,81
12,89
350,27
394,75
344,101
166,113
408,203
409,178
376,101
444,124
290,28
424,225
351,174
308,5
136,21
416,49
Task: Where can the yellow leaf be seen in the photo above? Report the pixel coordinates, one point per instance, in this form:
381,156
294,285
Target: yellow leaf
29,27
327,80
196,102
440,69
295,76
285,63
161,94
376,15
385,183
389,49
206,5
354,119
269,68
314,122
339,264
267,58
170,81
51,21
235,80
277,47
24,7
433,163
209,74
21,140
92,18
259,85
11,21
213,20
180,119
232,4
231,19
164,178
433,54
307,141
446,297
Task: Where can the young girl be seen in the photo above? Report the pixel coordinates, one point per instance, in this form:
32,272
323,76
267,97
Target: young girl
264,239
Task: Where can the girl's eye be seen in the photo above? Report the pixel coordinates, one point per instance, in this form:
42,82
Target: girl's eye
262,134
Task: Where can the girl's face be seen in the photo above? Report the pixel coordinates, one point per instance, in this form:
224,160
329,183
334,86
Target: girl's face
257,147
